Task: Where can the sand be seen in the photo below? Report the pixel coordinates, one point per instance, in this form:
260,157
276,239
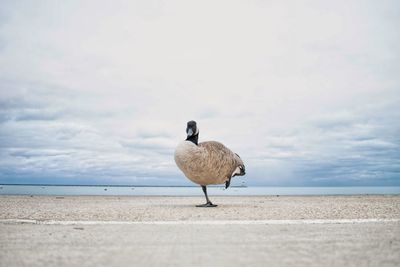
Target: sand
168,231
183,208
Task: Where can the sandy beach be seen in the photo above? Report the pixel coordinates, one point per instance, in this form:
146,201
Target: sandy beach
169,231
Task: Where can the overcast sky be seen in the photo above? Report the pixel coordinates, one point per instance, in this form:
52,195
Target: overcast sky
307,92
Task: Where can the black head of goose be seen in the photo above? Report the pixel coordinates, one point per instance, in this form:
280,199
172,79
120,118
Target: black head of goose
208,162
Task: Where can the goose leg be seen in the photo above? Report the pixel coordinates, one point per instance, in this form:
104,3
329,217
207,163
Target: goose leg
208,204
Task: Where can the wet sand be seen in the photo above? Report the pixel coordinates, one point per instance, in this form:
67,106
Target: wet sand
170,231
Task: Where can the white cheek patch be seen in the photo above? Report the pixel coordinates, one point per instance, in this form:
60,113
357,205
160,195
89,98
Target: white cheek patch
236,171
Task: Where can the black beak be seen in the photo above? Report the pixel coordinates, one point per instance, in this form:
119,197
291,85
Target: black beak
189,132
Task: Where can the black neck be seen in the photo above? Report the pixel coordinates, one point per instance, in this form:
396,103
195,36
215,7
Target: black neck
194,139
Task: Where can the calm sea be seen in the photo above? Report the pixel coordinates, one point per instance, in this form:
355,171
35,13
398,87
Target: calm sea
189,191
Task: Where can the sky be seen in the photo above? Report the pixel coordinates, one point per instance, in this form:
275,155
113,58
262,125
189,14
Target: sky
99,92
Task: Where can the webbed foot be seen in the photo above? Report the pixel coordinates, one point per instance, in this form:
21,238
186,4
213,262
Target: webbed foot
207,205
227,183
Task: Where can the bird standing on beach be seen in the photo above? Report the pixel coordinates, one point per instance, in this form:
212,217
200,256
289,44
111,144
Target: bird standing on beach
208,162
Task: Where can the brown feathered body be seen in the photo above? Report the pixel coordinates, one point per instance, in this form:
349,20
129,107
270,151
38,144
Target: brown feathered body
207,163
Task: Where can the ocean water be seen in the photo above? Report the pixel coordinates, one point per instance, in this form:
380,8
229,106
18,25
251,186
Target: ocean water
190,191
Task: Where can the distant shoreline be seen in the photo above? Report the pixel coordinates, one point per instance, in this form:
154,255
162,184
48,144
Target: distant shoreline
185,186
191,190
103,185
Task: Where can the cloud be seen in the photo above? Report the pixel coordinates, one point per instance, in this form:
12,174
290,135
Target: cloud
306,94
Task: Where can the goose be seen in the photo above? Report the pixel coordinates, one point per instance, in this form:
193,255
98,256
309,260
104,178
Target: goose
206,163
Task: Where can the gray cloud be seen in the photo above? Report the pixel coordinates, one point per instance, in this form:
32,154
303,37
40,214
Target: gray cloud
104,96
